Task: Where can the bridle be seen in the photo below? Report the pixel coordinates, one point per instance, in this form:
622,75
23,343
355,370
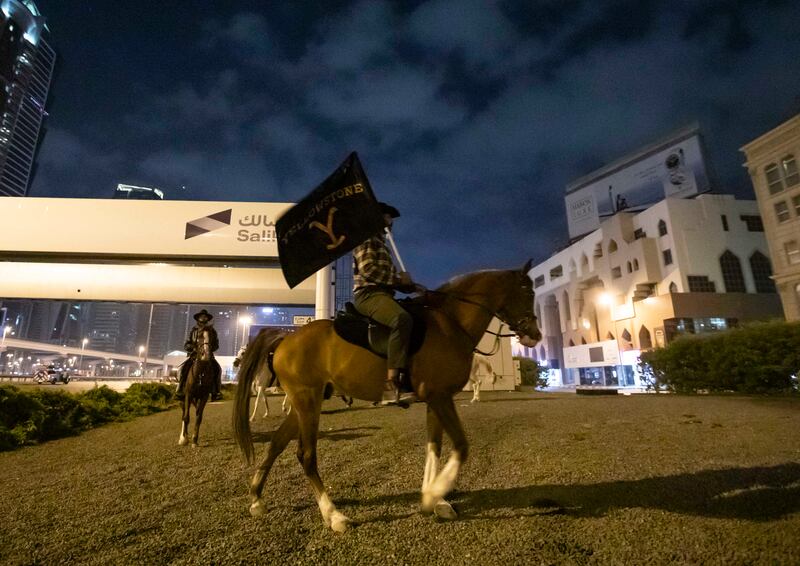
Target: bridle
513,325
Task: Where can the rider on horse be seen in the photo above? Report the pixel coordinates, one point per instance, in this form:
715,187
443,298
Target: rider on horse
375,281
193,348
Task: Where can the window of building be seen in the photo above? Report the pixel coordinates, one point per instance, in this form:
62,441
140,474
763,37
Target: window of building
667,255
556,272
782,211
626,335
567,313
753,222
774,181
612,246
630,267
732,274
598,250
701,284
796,205
635,264
616,272
610,336
762,273
662,228
539,281
790,174
571,342
638,234
792,252
645,342
584,261
724,222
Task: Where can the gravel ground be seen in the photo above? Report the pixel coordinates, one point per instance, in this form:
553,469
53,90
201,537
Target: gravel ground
552,479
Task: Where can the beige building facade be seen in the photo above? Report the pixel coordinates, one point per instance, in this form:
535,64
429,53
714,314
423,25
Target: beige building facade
772,161
643,278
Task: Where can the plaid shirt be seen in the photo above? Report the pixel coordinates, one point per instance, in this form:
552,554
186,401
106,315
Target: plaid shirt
373,265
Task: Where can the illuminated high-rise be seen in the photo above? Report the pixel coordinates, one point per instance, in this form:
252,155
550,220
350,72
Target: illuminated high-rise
26,70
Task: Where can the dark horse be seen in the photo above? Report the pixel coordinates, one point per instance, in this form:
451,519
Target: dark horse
314,358
198,389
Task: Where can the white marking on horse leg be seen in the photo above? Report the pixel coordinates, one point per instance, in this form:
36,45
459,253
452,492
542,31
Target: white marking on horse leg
182,438
255,406
337,521
258,508
428,477
447,478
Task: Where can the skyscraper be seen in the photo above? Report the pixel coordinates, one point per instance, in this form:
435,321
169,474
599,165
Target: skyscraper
26,70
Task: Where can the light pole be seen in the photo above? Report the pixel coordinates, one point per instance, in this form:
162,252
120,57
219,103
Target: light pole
83,347
141,363
245,321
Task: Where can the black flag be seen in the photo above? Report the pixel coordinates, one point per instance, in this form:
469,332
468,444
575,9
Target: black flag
337,216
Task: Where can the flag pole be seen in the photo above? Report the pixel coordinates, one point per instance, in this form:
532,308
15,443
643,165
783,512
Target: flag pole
394,248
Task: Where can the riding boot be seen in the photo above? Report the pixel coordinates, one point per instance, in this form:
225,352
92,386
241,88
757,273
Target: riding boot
183,374
216,389
395,380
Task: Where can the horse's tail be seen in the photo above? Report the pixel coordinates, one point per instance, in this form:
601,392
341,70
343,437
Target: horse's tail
255,359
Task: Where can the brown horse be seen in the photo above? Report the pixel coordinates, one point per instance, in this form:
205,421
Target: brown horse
314,359
198,390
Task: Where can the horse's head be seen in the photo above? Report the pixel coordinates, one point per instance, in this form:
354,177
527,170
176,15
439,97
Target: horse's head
517,309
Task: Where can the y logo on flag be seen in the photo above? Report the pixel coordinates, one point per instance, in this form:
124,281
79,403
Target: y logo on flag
208,223
335,242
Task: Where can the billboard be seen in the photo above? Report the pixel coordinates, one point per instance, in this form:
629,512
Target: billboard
674,167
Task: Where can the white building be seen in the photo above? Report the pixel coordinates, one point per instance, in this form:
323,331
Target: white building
772,161
642,278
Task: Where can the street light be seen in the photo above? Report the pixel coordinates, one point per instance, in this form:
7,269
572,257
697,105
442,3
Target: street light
141,363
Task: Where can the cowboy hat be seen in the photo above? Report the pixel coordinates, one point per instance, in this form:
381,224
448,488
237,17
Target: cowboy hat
389,209
204,313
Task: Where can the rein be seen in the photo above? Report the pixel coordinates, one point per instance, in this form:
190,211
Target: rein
497,335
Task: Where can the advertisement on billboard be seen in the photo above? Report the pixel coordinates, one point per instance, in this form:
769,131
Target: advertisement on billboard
673,168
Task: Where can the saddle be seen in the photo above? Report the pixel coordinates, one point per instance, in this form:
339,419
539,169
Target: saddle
354,327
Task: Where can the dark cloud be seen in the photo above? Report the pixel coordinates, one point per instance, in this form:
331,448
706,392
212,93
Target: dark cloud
470,116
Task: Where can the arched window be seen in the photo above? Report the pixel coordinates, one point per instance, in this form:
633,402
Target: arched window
565,300
635,264
583,340
662,228
571,342
630,267
645,342
584,261
732,273
612,246
762,273
609,336
626,335
673,287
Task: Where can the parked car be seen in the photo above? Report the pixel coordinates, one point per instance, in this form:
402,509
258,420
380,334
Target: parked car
51,374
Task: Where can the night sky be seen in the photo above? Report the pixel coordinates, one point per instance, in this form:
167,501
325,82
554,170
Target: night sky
469,116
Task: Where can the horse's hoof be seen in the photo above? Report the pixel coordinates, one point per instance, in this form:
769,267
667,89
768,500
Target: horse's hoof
444,511
181,442
258,509
194,444
339,522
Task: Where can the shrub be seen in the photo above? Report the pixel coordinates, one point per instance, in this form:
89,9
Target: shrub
531,373
144,398
28,417
756,358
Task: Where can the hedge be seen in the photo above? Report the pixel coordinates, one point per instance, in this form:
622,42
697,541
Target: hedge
756,358
37,415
